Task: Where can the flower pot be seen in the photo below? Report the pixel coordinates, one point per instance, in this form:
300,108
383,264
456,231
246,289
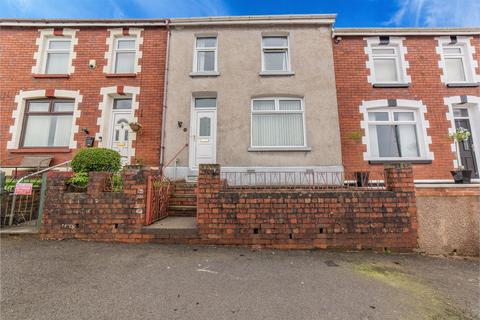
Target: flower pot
462,176
135,126
361,178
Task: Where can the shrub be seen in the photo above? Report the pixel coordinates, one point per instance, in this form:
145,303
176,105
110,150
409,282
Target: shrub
96,159
79,180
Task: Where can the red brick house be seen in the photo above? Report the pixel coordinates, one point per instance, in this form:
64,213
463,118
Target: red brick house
66,82
402,91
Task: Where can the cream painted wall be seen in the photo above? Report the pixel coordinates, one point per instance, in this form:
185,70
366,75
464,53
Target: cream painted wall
239,65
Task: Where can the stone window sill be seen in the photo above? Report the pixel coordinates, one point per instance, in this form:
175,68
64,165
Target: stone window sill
41,150
420,161
276,73
391,85
121,75
51,76
204,74
293,149
462,85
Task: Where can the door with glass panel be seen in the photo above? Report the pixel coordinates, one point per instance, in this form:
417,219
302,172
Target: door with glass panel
466,148
203,132
120,128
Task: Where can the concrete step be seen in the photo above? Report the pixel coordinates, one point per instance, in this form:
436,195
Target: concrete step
173,228
182,208
187,199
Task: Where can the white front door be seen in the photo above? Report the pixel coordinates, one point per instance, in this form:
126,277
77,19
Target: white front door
120,135
203,137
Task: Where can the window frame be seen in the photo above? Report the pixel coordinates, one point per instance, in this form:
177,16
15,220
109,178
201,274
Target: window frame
117,50
391,110
50,112
196,51
285,49
395,56
278,111
462,55
47,50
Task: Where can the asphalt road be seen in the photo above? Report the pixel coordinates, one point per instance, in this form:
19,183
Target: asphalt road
86,280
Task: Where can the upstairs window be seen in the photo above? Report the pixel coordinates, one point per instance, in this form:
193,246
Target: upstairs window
393,134
275,57
455,69
205,56
277,123
386,61
57,55
124,55
47,123
457,61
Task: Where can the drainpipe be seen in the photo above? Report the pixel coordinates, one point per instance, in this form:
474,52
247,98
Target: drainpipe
165,91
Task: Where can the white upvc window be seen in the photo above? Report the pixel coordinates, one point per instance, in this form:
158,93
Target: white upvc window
394,133
205,55
386,61
278,123
455,64
275,54
124,55
57,55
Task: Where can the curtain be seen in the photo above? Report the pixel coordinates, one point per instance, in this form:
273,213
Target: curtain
37,131
206,61
277,130
57,63
385,70
61,131
455,71
407,139
275,60
125,62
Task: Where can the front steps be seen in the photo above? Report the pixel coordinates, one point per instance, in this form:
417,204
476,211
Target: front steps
183,201
174,230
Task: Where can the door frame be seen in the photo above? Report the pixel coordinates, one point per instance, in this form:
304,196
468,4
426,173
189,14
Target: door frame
193,129
473,128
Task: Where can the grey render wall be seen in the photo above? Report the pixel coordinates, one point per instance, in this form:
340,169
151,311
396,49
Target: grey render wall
239,65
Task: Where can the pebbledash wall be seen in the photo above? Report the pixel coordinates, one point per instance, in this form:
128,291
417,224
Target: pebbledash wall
424,88
361,219
92,89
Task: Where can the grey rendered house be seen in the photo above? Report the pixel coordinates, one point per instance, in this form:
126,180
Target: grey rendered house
251,94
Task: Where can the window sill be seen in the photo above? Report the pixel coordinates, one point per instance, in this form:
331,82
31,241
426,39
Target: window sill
121,75
50,76
276,73
419,161
280,149
462,85
204,74
391,85
41,150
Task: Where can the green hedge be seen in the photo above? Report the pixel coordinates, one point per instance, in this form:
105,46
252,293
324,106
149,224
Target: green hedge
96,159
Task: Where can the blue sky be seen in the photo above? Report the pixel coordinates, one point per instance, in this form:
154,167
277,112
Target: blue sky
351,13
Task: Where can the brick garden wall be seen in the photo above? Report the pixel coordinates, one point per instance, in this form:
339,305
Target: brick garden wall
352,87
95,214
17,47
375,219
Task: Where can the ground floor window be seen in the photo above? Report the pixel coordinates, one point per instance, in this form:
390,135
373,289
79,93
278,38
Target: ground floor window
393,133
278,122
47,123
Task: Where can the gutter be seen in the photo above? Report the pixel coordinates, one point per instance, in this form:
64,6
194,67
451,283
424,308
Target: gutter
165,92
405,31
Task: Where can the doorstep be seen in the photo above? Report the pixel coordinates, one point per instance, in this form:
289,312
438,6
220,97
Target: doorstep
173,228
19,230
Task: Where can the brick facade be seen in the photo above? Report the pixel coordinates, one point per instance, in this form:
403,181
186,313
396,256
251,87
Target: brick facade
352,88
375,219
18,45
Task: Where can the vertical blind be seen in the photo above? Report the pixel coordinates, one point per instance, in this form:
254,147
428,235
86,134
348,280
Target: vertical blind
277,123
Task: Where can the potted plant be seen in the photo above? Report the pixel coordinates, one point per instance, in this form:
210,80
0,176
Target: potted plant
460,175
135,126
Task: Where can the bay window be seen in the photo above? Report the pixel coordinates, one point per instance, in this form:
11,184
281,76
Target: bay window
275,57
393,133
47,123
278,123
205,56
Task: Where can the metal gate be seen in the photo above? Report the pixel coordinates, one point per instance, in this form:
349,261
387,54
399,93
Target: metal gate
159,189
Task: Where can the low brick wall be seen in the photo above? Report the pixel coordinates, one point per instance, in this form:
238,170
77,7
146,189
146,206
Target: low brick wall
376,219
95,214
449,219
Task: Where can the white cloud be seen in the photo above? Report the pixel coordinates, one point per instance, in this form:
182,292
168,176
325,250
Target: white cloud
436,13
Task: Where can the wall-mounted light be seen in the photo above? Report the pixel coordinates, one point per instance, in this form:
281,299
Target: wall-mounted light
179,124
85,130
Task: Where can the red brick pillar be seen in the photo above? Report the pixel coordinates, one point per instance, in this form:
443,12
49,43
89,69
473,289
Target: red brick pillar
96,182
399,177
208,186
135,184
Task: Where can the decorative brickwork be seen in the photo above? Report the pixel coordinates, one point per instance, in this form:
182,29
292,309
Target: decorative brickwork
96,215
309,219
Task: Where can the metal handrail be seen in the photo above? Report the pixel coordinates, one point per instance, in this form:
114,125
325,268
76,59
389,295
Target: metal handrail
12,211
173,158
